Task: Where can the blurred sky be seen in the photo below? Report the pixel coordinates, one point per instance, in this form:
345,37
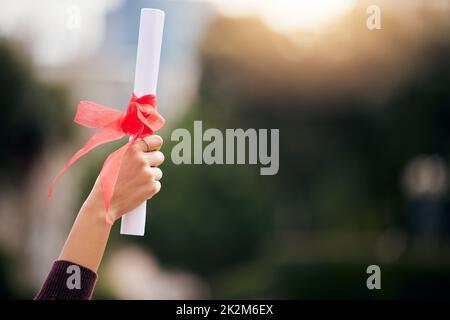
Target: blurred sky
54,42
93,44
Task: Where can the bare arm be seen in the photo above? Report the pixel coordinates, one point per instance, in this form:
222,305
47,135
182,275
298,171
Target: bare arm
138,181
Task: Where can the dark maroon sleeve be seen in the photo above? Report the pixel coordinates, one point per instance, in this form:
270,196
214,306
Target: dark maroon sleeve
68,281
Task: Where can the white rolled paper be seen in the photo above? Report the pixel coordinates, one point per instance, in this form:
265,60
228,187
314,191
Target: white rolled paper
145,82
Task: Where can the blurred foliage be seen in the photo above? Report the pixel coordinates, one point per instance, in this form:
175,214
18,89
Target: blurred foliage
7,289
33,113
224,215
347,128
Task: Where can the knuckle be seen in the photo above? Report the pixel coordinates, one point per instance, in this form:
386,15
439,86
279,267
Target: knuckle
140,159
148,173
160,156
135,147
156,158
148,140
153,189
134,152
160,141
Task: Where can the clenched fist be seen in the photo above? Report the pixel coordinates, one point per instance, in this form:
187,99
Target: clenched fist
139,178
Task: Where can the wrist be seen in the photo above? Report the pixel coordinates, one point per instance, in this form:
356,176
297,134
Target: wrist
95,208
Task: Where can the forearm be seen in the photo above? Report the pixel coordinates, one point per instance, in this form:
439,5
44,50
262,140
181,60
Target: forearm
87,240
84,247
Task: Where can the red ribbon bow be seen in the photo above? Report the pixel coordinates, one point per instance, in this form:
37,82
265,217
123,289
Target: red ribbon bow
140,120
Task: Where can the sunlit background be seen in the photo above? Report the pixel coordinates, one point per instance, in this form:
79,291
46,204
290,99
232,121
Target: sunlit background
364,146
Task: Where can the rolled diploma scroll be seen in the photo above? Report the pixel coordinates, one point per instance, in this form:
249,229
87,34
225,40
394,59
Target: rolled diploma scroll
146,77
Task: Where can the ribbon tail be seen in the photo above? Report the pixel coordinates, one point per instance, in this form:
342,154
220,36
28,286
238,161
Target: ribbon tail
109,176
94,115
109,133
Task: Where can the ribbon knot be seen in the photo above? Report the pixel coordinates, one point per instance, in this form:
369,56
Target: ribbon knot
140,120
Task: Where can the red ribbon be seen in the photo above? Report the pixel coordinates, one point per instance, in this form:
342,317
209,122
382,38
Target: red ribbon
140,120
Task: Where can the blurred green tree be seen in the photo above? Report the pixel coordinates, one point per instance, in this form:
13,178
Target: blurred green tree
33,113
347,128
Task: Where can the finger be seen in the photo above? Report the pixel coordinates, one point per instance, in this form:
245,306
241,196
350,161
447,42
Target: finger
156,173
153,142
149,143
155,187
154,158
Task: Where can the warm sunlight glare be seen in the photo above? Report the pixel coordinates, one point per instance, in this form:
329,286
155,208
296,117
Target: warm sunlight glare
288,15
